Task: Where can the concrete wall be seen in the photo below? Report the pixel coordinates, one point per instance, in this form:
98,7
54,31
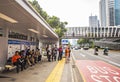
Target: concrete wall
3,51
110,45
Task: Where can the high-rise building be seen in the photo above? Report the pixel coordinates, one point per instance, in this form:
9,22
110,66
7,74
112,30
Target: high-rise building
93,21
109,12
117,12
102,6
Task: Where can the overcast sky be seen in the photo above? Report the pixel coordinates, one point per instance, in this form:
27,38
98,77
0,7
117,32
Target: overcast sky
75,12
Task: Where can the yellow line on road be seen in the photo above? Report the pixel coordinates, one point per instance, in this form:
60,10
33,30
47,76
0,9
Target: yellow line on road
55,75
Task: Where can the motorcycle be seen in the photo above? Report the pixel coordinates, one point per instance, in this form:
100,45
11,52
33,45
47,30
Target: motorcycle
105,53
96,53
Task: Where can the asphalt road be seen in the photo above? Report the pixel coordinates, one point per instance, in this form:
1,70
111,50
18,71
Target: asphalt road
112,58
96,68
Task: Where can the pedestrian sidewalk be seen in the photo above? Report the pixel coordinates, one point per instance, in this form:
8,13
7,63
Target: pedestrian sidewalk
56,71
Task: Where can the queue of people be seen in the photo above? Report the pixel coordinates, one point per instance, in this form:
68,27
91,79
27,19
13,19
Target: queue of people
52,53
28,57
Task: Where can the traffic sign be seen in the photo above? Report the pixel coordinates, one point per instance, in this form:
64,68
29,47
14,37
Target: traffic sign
65,41
98,71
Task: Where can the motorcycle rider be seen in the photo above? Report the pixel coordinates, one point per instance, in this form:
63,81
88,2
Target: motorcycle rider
96,51
105,51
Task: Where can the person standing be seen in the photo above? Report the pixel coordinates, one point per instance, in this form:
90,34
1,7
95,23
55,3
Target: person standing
69,51
67,54
60,53
39,55
48,53
54,53
47,50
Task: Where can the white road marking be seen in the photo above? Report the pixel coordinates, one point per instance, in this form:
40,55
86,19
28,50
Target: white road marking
114,63
105,60
73,56
83,55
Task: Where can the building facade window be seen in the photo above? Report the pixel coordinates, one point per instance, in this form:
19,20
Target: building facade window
117,12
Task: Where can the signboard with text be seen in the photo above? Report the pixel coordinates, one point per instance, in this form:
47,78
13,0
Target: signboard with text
98,71
65,41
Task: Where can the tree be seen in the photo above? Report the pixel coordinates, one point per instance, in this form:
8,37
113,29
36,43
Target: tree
58,26
54,22
60,32
79,41
37,7
85,41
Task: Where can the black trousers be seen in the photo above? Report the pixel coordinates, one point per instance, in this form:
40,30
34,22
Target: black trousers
35,59
49,57
17,66
54,57
39,58
60,56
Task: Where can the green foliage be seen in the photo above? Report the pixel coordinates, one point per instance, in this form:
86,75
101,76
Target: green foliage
93,44
54,22
86,41
83,41
69,44
37,7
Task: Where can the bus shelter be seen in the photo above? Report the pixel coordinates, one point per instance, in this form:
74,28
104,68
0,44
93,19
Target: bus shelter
20,27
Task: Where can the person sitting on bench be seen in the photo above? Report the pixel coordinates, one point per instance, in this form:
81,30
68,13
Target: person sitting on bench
15,60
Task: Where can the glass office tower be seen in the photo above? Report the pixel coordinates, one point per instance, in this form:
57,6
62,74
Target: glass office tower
109,12
117,12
